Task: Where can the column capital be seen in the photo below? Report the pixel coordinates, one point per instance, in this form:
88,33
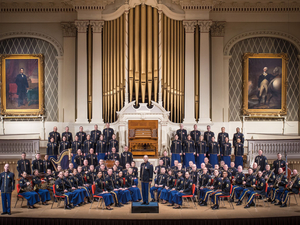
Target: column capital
218,29
204,25
189,25
97,25
69,29
81,25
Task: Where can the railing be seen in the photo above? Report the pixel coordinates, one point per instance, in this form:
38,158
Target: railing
270,147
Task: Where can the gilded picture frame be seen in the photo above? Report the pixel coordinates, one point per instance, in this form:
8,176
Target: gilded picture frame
22,84
264,84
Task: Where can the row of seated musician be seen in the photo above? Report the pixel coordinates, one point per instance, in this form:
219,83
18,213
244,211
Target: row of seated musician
75,187
222,183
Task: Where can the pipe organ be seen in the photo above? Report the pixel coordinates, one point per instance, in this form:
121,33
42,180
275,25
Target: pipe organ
143,62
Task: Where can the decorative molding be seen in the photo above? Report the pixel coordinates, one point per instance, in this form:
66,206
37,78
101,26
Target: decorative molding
204,25
189,26
97,26
81,25
89,4
261,33
218,29
69,29
198,5
46,37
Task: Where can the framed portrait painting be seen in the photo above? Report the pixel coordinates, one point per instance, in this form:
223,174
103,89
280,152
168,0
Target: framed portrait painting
22,88
264,84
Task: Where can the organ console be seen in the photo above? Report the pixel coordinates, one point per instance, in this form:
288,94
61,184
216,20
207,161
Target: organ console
143,137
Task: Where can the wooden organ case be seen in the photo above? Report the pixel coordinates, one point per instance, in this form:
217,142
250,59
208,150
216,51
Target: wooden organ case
143,137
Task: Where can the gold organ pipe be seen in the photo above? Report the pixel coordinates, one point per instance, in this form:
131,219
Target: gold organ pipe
115,68
168,65
165,55
130,52
90,81
104,77
178,73
175,71
112,71
155,52
172,69
118,64
122,56
149,51
136,52
108,71
197,73
143,52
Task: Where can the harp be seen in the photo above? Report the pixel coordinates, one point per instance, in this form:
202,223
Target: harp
62,160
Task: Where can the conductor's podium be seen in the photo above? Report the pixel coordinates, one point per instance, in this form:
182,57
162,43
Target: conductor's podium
137,207
143,137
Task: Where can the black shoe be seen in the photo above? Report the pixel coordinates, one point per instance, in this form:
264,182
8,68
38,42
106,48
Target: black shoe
284,205
152,200
9,213
279,203
67,207
215,207
273,202
147,203
144,203
109,208
203,204
3,213
252,204
247,206
120,205
171,204
239,203
89,200
117,205
157,200
231,200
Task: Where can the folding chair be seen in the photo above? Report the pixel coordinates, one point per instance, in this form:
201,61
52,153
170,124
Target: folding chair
190,196
222,197
294,196
57,197
263,197
97,197
19,196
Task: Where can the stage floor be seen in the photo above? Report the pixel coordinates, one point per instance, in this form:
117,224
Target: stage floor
165,212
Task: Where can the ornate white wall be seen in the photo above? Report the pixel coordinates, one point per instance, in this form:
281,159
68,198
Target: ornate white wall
54,22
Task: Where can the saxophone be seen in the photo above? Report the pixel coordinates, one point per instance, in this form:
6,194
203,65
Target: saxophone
270,175
292,182
256,171
278,181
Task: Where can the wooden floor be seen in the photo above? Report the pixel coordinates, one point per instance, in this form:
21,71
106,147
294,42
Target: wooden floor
165,212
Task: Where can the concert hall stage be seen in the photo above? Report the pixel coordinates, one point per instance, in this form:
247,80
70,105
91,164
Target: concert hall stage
44,215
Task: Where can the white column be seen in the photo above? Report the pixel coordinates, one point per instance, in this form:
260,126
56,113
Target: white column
68,79
60,60
219,83
189,88
97,71
159,56
299,99
126,56
226,59
82,102
204,101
